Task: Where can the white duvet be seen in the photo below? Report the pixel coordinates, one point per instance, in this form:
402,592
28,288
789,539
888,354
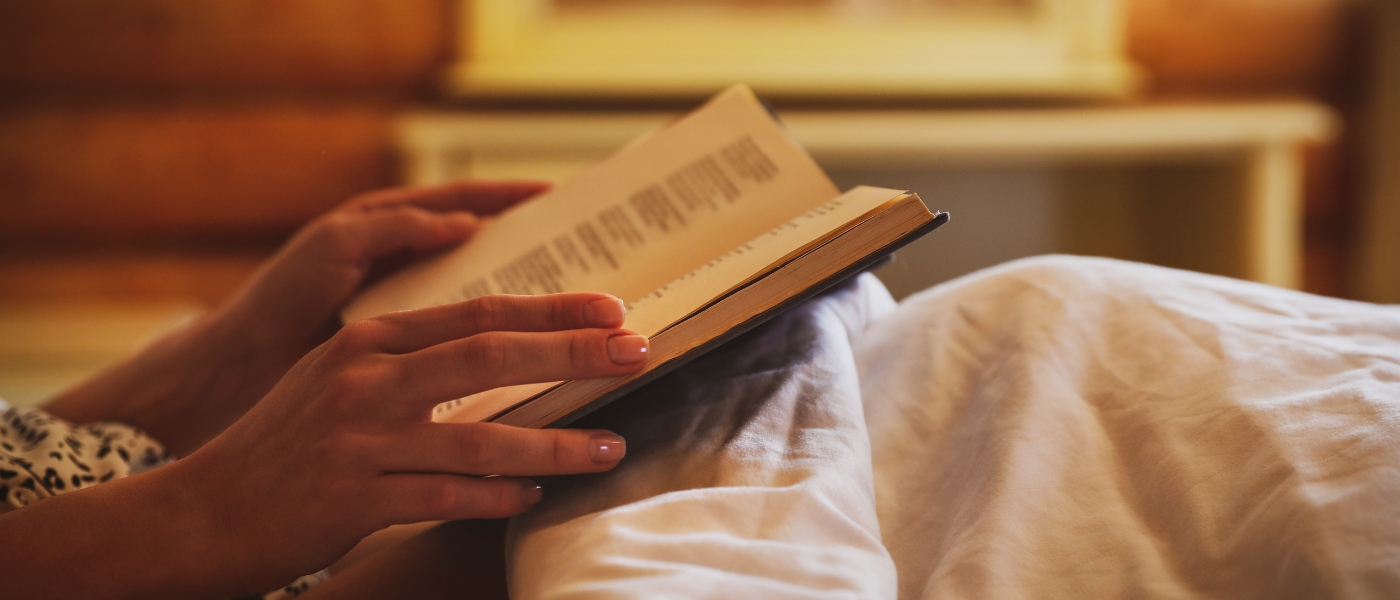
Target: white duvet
1052,428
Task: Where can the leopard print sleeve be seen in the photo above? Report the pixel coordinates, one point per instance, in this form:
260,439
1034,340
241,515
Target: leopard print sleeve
43,456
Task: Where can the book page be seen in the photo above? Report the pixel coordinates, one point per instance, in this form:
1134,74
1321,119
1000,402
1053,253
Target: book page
658,209
679,299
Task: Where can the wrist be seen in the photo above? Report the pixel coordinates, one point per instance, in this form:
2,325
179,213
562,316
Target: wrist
182,389
190,533
188,387
192,542
268,339
145,535
213,536
147,389
285,308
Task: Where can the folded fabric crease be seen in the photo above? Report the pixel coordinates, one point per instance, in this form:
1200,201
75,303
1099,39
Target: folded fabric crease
1054,427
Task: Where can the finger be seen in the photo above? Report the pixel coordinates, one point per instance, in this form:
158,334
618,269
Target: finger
493,449
415,497
480,197
500,358
408,331
405,229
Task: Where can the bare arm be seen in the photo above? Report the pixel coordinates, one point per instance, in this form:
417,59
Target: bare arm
187,387
321,440
343,446
441,561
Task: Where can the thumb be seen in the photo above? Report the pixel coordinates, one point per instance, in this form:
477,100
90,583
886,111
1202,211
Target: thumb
408,229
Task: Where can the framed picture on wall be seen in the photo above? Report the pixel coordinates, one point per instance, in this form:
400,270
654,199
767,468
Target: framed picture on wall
792,48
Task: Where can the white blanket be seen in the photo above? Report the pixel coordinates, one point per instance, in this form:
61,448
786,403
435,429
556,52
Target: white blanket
1057,427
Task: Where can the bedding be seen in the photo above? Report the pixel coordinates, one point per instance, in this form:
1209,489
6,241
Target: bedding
1051,428
747,476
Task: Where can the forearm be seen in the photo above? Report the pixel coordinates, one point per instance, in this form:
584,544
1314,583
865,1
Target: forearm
182,389
142,536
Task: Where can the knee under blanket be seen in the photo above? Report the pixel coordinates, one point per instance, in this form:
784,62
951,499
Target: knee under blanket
1052,428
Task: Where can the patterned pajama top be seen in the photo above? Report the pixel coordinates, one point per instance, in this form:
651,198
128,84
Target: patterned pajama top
43,456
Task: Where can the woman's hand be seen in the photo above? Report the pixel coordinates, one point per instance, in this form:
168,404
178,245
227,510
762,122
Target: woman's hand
293,302
190,385
345,445
342,446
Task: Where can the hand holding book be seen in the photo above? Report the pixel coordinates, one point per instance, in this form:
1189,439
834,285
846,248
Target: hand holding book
343,445
704,228
351,420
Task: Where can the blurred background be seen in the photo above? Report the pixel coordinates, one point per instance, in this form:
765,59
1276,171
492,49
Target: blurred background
153,152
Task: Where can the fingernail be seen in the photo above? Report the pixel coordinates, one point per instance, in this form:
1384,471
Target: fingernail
606,448
531,493
604,312
627,348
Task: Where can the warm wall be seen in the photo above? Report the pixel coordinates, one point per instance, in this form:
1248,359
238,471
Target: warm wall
1223,49
223,44
160,147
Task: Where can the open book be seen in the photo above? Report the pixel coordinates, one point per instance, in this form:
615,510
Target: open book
705,228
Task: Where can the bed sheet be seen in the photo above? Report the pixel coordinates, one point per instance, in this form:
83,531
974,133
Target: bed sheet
747,475
1056,427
